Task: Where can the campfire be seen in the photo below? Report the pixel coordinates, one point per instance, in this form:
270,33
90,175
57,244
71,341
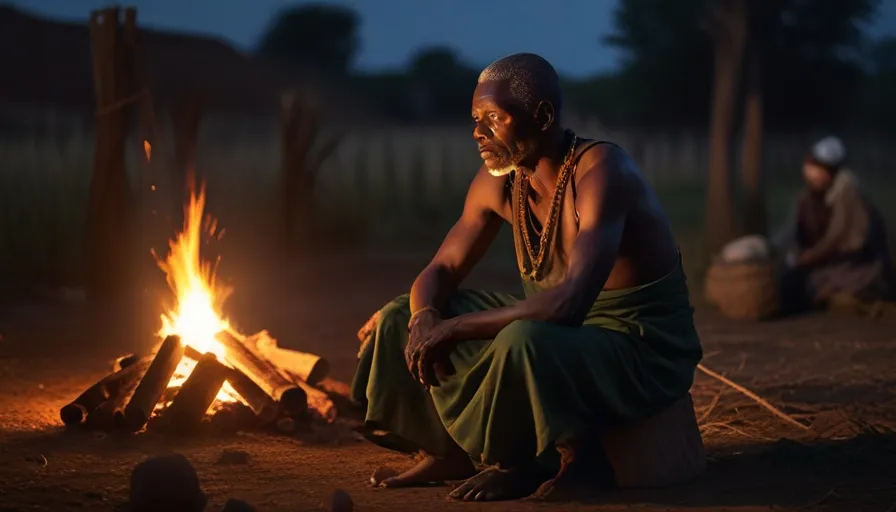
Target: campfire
204,372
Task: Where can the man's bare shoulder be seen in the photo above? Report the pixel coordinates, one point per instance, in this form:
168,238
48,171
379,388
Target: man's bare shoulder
487,192
603,157
607,168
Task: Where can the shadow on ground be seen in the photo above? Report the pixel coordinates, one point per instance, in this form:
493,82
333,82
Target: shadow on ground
845,474
820,474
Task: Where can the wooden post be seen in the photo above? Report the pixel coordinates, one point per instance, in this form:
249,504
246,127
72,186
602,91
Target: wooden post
728,26
300,127
152,200
752,161
108,215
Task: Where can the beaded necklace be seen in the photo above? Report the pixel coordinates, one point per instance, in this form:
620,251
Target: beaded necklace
537,258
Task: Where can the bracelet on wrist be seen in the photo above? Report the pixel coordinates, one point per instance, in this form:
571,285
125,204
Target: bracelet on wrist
416,314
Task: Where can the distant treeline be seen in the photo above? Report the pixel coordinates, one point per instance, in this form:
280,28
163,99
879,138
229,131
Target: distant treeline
820,71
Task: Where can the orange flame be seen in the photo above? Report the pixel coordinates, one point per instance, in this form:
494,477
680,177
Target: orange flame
198,316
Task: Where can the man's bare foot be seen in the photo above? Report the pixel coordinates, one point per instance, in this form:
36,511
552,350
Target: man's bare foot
495,484
571,454
429,470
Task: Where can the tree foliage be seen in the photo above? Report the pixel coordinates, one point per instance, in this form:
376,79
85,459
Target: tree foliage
443,84
808,48
319,36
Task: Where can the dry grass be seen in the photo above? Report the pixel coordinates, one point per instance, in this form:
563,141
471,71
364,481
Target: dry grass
44,187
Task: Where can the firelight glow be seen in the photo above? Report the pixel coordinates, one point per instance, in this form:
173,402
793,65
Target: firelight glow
197,316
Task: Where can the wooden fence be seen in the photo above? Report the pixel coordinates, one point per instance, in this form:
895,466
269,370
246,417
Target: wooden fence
402,164
404,181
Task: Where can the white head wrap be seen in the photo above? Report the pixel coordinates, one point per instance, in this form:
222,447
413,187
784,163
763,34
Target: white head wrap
829,151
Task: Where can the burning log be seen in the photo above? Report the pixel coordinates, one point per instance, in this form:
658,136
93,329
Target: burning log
293,398
319,402
310,368
124,361
109,386
152,385
194,354
104,416
316,399
197,393
235,416
264,407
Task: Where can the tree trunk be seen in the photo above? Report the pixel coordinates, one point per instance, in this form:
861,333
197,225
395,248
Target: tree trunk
730,37
754,221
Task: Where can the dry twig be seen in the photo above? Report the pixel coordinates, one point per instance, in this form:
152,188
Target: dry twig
722,424
758,399
712,405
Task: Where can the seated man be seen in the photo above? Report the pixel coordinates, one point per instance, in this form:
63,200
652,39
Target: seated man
605,334
837,240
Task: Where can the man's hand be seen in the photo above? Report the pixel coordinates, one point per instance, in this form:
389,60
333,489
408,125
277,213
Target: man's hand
419,326
429,347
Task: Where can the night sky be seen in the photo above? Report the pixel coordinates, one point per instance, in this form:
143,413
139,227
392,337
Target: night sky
392,30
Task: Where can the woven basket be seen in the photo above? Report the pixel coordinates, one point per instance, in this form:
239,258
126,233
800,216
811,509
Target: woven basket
744,291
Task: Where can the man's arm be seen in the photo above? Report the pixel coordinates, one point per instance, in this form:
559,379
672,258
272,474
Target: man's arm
464,245
603,201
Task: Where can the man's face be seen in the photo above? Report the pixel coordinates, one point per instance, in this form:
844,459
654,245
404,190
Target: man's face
507,135
817,178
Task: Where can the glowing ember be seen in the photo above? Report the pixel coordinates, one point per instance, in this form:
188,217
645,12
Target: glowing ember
197,316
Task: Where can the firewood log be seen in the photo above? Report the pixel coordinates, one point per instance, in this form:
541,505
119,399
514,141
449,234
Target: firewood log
310,368
262,405
141,404
235,416
194,354
196,394
292,398
124,361
317,401
104,416
76,412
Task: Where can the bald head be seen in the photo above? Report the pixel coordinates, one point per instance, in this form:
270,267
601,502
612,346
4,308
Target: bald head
530,78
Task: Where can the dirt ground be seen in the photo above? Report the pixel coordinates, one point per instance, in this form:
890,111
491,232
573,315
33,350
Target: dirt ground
836,373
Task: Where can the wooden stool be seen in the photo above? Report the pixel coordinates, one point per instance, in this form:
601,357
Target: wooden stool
663,450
